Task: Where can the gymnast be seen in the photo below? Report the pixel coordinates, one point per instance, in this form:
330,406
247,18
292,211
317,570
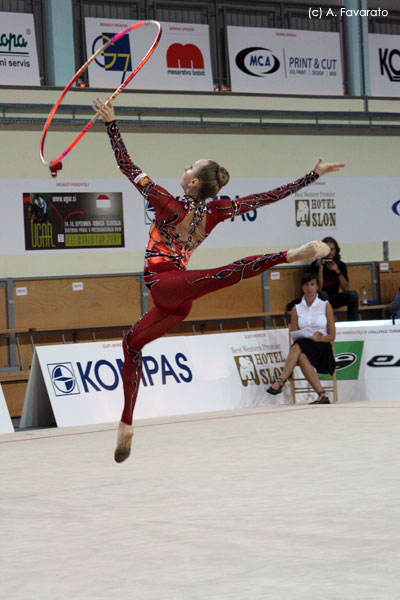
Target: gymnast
179,227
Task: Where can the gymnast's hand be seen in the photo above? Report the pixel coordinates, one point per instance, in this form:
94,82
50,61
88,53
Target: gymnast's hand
323,168
106,110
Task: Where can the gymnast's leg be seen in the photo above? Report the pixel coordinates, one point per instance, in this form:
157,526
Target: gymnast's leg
151,326
173,291
175,288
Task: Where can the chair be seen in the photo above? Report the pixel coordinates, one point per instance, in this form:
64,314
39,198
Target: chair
305,387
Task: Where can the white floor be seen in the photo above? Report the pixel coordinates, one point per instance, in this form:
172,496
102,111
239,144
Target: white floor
273,503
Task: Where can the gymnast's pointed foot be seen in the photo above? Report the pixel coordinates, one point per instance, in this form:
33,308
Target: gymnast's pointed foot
307,251
124,442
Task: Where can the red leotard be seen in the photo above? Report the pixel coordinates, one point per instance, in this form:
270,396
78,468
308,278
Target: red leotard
179,227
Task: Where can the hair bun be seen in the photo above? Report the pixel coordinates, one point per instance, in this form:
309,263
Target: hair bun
222,176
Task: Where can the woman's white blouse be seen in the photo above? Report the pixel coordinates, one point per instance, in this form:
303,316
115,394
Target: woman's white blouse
313,316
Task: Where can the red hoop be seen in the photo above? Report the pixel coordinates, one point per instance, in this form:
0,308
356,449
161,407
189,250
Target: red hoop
55,165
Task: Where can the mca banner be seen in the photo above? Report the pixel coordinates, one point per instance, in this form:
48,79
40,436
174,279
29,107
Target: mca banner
18,53
284,61
180,62
384,64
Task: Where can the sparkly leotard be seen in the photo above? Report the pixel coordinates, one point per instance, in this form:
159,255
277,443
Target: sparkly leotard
179,227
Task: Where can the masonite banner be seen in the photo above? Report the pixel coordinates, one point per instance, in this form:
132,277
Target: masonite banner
284,61
320,209
368,361
6,425
73,220
18,52
79,384
384,64
181,60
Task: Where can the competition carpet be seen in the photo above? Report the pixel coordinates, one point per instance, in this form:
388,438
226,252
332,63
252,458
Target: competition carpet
282,503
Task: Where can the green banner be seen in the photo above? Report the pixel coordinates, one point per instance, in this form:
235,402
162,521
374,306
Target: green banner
348,359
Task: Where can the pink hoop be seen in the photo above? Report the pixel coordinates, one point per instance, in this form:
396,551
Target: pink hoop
55,165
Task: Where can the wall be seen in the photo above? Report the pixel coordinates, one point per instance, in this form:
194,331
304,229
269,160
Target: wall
246,154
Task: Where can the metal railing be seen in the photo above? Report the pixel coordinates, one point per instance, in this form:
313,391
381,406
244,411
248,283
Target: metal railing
71,115
14,334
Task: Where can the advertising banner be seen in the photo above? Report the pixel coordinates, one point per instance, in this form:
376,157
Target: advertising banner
341,207
368,361
181,60
346,208
81,383
73,220
284,61
18,54
384,64
6,425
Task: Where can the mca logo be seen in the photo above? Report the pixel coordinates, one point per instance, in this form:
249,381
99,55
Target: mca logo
257,62
247,369
303,213
117,57
63,378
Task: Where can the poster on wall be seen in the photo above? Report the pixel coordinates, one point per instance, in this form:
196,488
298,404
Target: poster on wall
284,61
181,60
57,221
368,361
330,206
18,53
384,64
78,384
81,384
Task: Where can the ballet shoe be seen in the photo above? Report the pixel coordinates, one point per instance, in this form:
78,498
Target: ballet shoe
307,251
124,442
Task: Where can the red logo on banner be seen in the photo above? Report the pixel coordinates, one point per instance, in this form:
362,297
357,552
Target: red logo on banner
186,56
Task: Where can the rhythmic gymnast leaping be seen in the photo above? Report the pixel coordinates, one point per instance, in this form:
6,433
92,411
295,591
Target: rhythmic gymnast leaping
179,227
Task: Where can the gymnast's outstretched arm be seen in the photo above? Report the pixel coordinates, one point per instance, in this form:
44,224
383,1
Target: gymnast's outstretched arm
226,208
158,197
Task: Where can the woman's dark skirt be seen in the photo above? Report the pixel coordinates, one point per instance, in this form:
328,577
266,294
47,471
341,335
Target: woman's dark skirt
319,354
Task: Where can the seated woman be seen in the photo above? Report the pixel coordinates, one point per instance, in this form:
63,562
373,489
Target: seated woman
312,351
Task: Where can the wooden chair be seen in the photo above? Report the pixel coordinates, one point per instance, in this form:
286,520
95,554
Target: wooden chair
305,387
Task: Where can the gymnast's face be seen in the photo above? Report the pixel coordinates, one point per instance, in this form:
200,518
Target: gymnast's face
190,181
